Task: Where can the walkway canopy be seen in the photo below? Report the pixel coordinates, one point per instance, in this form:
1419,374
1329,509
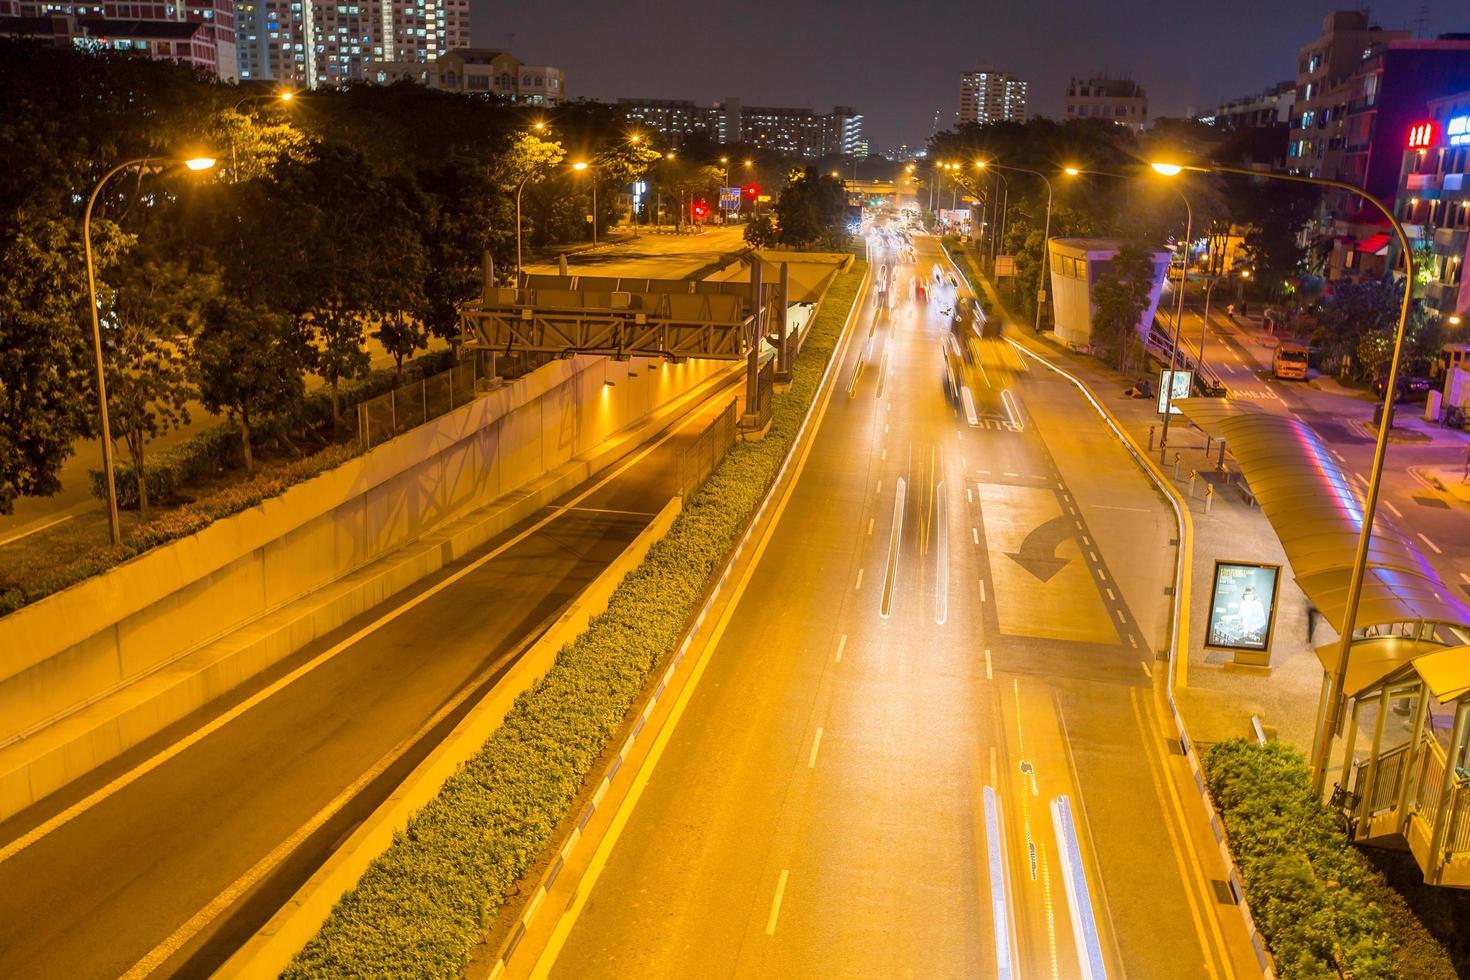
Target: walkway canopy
1317,513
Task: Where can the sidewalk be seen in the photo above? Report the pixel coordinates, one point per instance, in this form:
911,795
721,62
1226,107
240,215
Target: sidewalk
1220,697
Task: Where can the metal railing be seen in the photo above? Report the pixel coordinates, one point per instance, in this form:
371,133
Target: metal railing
1425,789
395,412
765,389
1457,841
700,458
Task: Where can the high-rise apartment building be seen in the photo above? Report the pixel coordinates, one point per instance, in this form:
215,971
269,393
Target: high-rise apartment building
311,43
200,33
1264,110
990,96
790,131
1118,100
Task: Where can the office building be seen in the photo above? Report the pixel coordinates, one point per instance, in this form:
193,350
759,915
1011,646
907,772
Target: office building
1433,200
479,70
310,43
990,96
200,33
1119,100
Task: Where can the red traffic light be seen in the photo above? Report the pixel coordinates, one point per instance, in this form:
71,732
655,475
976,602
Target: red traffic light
752,190
700,208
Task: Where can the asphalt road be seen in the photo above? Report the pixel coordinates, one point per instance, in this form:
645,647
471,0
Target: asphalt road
169,866
945,611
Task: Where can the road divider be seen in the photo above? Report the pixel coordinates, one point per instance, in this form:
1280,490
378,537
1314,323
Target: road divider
895,543
1000,908
1079,899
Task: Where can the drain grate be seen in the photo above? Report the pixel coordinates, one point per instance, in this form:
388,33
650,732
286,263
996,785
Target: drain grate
1223,894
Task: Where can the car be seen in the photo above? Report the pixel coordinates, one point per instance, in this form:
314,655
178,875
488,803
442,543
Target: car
1411,388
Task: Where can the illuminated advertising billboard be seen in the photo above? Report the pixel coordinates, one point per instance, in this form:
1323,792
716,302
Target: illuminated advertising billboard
1243,605
1183,380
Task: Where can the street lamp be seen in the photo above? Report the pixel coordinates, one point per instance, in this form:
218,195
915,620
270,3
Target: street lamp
1045,235
1333,715
580,166
284,95
192,163
1002,204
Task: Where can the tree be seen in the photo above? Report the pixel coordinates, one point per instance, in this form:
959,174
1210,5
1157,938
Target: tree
153,306
812,212
48,394
1120,299
250,360
365,261
761,232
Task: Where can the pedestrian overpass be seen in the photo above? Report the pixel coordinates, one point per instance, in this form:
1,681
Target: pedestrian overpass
1401,768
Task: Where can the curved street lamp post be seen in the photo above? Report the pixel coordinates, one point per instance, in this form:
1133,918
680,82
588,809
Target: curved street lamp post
105,430
1332,719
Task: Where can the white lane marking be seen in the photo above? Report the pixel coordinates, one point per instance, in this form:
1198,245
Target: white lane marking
1093,556
969,497
198,735
1000,913
982,590
941,554
880,487
895,543
885,455
859,579
870,525
1013,412
1396,512
1120,616
1086,541
1136,510
885,426
983,472
1431,544
1101,573
841,645
776,902
1465,577
968,400
1147,671
1009,473
962,463
960,436
988,674
975,533
1111,596
1133,641
1340,457
1360,478
811,761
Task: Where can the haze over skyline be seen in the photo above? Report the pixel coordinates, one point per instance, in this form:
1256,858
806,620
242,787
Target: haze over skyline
899,68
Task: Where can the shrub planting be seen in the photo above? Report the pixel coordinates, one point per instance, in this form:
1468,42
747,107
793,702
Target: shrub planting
1322,908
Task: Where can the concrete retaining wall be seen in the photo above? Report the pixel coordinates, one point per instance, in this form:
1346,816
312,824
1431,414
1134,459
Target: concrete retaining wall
136,625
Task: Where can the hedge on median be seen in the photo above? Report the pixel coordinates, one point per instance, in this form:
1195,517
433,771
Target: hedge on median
429,898
1322,908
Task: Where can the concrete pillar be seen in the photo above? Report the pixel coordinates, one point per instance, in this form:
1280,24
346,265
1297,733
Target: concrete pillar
489,271
1441,828
783,299
561,265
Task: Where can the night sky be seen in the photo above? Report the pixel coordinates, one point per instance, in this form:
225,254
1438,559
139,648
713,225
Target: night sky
899,62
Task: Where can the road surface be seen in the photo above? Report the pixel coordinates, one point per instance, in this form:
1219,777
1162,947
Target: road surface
167,869
654,256
947,612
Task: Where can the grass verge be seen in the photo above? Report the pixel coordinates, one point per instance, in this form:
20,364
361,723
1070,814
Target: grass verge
1322,907
428,899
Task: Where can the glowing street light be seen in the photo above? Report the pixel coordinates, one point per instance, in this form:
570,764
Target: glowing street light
196,164
1167,169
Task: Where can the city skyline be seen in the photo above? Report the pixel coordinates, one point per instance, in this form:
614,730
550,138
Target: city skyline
828,54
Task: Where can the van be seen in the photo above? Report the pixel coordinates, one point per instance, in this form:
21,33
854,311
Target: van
1289,362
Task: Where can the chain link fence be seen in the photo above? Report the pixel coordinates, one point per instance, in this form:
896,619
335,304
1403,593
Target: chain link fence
701,457
395,412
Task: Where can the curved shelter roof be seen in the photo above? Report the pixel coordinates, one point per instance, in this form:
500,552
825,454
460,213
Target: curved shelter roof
1318,514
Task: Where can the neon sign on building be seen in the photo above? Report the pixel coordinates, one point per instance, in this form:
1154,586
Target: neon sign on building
1421,135
1457,130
